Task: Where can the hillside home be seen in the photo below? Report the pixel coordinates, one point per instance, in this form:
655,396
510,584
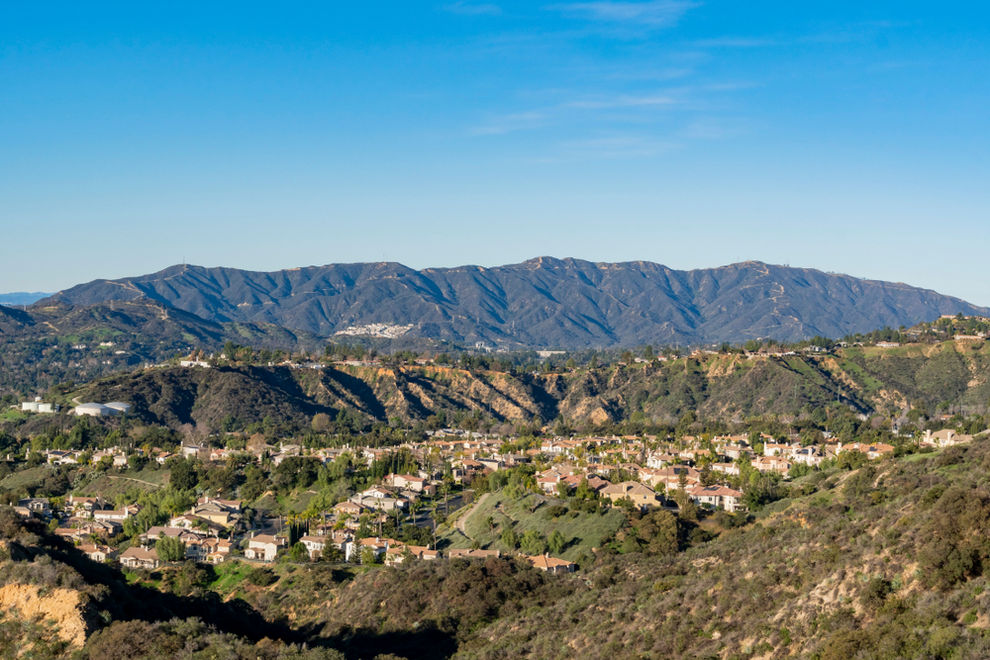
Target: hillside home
139,557
944,438
353,550
36,505
640,495
552,565
771,464
718,497
98,553
406,481
263,547
314,545
112,515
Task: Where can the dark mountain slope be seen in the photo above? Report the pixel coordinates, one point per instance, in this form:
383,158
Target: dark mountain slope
566,303
14,320
55,342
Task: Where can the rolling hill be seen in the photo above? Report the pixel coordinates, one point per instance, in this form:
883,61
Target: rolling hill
714,386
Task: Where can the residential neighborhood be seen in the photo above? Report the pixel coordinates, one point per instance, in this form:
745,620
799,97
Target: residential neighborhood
637,473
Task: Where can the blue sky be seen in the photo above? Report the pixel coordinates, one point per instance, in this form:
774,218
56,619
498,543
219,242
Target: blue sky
844,136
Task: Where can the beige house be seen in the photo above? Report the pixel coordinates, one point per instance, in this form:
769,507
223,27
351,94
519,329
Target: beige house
640,495
550,564
138,557
97,552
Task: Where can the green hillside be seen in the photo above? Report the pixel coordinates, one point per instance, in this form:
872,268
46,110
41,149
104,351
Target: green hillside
726,387
485,524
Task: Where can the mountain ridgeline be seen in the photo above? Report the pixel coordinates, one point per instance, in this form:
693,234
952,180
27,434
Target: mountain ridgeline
540,303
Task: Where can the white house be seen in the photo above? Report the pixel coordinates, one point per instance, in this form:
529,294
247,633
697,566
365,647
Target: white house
720,497
264,547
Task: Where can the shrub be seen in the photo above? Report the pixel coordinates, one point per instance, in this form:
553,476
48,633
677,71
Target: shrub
262,577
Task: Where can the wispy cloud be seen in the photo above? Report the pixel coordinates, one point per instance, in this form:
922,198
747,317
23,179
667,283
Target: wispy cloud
623,101
584,109
653,13
615,147
473,8
736,42
844,34
512,122
714,128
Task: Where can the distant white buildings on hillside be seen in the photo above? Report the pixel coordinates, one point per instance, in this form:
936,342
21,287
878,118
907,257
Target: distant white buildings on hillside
102,409
387,330
37,406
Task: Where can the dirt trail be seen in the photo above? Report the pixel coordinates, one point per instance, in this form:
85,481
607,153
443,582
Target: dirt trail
140,481
459,524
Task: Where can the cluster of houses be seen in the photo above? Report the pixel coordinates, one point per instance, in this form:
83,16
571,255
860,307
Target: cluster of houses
651,470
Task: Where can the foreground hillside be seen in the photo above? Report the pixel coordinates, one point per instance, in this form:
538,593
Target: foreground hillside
887,560
884,562
541,303
721,386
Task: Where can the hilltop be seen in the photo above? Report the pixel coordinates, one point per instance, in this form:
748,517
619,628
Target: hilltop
540,303
717,386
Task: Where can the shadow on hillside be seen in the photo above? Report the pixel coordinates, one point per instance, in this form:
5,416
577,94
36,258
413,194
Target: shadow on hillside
136,602
425,643
360,390
282,380
116,600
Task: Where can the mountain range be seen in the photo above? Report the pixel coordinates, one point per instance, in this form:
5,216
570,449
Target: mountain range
22,297
540,303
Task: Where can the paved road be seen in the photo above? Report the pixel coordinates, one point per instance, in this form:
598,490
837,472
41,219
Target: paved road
423,518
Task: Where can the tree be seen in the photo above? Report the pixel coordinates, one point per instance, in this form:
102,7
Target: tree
557,542
509,538
183,476
298,553
368,556
136,462
170,548
321,422
660,532
533,543
192,578
331,553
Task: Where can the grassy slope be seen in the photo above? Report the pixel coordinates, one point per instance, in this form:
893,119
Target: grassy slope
583,531
109,486
24,478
